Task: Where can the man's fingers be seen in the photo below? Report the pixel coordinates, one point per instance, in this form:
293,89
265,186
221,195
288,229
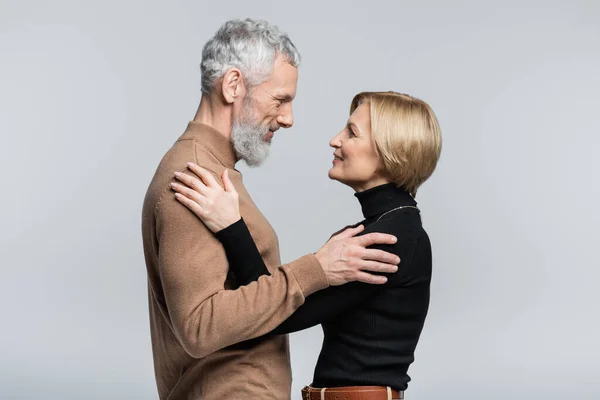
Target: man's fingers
204,174
381,256
374,266
350,232
372,279
192,182
376,238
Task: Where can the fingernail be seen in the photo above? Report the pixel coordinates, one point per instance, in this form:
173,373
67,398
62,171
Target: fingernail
172,184
394,239
177,173
397,260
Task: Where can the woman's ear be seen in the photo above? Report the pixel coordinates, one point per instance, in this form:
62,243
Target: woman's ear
233,85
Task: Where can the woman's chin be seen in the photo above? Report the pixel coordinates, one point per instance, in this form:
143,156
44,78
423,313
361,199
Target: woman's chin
333,175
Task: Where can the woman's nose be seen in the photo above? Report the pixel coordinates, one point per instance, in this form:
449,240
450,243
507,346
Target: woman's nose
335,141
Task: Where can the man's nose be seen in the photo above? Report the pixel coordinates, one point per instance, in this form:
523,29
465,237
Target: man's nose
286,116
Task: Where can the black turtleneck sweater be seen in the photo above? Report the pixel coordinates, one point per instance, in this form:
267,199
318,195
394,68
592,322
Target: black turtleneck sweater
370,331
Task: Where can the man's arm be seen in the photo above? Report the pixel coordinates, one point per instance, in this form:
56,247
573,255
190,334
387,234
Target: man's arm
193,268
321,307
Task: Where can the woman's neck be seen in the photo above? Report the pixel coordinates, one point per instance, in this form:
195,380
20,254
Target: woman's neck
362,186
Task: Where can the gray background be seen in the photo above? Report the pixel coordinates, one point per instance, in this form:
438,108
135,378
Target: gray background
93,93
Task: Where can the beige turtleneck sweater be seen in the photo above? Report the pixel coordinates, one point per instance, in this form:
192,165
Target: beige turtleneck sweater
200,321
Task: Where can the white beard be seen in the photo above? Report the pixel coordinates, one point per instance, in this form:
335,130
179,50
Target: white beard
248,138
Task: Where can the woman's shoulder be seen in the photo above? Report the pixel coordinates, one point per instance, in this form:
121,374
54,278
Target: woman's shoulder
404,222
413,246
406,226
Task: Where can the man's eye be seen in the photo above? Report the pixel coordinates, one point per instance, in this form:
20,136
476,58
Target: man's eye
351,132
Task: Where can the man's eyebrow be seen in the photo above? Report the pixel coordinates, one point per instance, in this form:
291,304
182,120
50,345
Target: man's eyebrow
284,97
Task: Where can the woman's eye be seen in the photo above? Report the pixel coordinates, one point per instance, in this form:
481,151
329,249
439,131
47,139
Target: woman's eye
351,132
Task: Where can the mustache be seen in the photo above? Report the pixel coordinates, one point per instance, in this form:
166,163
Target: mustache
270,129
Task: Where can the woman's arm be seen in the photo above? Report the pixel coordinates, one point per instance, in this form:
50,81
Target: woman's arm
248,266
246,263
321,307
244,258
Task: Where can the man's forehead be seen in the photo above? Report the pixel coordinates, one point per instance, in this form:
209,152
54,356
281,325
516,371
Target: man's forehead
284,78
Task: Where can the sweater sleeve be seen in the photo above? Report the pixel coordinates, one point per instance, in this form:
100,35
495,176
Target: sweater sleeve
244,258
193,266
331,303
322,306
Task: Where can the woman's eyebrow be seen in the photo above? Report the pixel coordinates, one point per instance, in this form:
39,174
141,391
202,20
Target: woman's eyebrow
353,126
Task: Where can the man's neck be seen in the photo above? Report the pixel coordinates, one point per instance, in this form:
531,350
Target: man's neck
215,115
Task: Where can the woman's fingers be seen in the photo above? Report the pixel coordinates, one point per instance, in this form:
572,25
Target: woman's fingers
187,192
191,204
192,182
208,178
227,184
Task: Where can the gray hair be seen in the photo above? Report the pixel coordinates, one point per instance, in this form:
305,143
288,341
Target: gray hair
250,45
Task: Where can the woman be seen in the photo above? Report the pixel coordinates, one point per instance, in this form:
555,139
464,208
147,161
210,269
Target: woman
388,148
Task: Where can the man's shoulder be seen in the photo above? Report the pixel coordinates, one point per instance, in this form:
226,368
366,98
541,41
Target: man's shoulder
184,150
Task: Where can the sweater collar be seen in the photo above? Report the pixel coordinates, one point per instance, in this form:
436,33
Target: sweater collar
213,140
383,198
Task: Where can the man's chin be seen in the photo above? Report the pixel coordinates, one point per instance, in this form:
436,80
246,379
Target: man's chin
255,161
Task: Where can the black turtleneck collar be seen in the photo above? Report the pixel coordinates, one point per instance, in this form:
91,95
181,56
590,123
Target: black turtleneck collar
383,198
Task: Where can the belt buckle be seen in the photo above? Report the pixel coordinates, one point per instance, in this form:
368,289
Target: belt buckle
306,393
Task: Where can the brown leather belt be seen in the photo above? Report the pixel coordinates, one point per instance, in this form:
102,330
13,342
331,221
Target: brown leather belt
351,393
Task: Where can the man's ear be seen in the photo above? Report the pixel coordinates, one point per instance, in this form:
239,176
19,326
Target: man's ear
233,85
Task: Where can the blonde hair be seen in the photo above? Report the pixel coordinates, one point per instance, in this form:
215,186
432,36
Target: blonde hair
406,135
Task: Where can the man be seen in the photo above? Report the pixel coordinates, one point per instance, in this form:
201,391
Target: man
201,322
